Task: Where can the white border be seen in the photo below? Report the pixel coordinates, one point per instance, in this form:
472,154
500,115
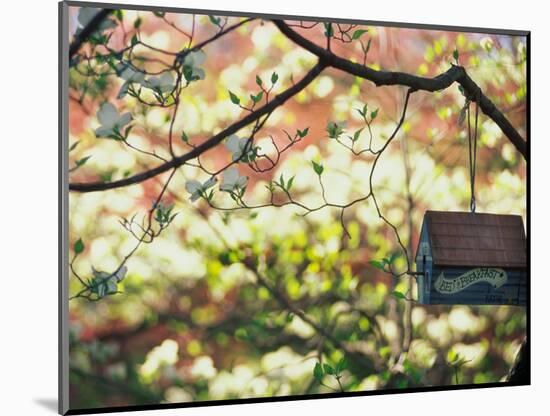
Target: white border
29,163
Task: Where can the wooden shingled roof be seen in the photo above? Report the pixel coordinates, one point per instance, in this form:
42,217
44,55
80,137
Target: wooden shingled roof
481,240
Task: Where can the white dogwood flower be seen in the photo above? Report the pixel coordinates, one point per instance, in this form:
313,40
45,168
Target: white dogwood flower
128,74
195,188
111,121
106,283
85,16
232,180
193,60
237,147
164,83
121,273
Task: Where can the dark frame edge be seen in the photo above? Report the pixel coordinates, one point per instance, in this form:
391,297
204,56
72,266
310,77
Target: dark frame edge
63,218
528,216
427,26
279,399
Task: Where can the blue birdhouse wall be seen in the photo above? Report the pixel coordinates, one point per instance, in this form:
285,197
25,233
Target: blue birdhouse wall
473,259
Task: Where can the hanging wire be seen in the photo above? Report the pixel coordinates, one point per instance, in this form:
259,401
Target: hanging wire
472,151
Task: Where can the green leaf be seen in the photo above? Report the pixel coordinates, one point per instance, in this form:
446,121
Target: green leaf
73,146
258,97
393,257
334,130
317,168
258,80
358,33
188,73
302,133
159,14
118,15
210,195
367,49
127,131
373,114
234,99
356,135
137,23
452,356
78,246
82,161
363,112
107,176
184,137
274,78
215,20
289,183
398,295
377,264
225,258
282,181
328,369
342,365
318,372
455,55
134,40
96,39
329,31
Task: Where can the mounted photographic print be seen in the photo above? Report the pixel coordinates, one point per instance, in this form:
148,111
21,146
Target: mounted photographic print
265,208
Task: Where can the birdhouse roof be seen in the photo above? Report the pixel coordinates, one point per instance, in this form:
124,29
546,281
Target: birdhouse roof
478,240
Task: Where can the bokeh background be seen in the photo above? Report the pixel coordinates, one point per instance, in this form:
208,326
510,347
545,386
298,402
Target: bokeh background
192,323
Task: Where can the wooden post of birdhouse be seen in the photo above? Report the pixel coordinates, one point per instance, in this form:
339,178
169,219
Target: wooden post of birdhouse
472,259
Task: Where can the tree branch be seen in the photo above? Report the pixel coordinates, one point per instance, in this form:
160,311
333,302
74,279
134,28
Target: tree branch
210,143
87,31
362,359
440,82
327,58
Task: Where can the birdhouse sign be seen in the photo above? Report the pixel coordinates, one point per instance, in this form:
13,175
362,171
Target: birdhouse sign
472,259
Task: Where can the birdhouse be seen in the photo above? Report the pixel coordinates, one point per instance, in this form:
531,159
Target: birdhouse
472,259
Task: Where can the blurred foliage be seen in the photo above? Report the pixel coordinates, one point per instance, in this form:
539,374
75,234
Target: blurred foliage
266,302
